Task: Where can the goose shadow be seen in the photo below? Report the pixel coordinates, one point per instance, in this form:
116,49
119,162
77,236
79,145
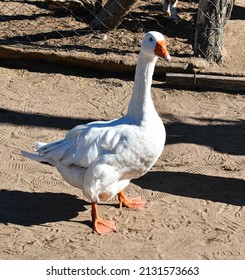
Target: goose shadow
29,208
199,186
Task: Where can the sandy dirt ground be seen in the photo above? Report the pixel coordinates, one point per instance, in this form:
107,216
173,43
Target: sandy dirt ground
195,193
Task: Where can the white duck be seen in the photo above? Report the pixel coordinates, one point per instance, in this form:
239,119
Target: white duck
102,157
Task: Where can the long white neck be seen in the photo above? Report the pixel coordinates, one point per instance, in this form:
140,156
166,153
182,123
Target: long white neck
141,105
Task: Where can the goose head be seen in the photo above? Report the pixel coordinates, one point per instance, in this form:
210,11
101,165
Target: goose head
154,45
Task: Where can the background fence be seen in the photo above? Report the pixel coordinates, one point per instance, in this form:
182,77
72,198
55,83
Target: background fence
212,16
70,25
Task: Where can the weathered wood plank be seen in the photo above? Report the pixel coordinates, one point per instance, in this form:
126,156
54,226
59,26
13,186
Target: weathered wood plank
205,81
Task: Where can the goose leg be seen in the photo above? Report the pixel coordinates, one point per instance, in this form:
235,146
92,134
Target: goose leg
99,225
134,203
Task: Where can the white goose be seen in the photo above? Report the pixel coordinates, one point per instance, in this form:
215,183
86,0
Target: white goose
102,157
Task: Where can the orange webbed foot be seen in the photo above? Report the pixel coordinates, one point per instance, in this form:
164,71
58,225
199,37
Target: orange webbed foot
134,203
99,225
104,226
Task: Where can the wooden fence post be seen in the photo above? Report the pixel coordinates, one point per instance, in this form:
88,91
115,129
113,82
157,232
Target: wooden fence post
212,16
112,14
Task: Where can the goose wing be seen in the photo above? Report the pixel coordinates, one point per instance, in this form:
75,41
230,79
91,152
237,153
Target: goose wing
82,145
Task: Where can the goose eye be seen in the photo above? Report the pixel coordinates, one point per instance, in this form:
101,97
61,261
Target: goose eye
151,39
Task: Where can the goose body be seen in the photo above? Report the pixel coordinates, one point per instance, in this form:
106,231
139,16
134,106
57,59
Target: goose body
101,157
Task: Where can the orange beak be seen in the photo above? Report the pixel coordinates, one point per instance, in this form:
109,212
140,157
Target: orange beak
161,50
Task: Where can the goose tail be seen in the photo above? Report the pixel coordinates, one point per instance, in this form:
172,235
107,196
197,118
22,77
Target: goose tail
35,157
